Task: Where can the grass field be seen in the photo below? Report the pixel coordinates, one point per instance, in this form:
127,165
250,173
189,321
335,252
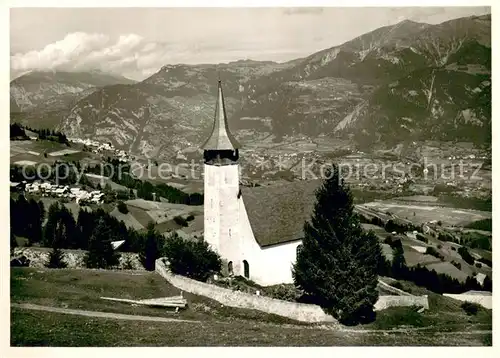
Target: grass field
32,328
444,324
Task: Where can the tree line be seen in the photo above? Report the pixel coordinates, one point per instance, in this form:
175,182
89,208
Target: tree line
50,134
17,132
119,173
94,231
422,276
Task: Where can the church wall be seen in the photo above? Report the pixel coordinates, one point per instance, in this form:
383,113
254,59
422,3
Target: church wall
268,266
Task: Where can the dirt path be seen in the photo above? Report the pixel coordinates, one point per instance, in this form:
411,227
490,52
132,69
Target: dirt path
129,317
98,314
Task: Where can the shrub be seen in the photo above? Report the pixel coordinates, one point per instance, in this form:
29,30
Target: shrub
397,285
190,217
470,308
422,238
393,242
478,265
432,251
446,237
458,265
194,259
466,255
127,264
283,292
377,221
179,220
398,316
122,207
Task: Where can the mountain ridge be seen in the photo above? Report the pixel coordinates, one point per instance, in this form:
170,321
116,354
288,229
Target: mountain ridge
343,91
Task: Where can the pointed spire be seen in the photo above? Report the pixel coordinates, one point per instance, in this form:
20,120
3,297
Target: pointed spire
220,138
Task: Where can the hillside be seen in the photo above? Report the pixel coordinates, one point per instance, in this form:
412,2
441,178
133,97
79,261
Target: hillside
415,77
39,97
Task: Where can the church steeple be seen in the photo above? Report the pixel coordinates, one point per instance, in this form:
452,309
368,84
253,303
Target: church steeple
221,138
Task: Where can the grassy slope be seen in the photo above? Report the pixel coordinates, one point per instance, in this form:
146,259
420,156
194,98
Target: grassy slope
33,328
444,313
81,289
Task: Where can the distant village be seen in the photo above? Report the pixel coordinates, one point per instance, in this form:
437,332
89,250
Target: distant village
98,147
72,192
47,189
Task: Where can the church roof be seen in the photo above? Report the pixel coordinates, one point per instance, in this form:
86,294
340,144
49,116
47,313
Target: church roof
220,138
277,213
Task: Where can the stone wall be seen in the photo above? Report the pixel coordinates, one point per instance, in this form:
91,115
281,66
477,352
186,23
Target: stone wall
481,299
297,311
401,301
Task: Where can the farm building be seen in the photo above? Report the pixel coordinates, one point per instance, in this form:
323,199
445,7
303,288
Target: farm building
256,231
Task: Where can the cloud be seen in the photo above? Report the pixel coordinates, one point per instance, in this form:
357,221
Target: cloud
129,55
135,57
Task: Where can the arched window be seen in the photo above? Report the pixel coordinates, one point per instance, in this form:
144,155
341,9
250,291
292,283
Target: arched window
230,268
246,269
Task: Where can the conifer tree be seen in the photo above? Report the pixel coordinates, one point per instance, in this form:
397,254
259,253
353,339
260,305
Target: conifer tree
487,284
100,251
13,242
56,258
398,261
337,262
152,247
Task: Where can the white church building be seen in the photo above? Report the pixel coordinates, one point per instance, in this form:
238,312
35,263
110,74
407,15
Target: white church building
255,230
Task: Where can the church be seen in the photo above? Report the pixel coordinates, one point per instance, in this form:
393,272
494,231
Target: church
256,231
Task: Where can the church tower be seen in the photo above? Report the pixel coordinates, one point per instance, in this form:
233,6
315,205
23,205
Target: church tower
221,187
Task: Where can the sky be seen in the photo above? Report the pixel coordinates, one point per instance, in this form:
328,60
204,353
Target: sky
137,42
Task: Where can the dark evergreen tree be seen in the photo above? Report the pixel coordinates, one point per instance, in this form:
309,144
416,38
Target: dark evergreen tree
33,222
471,284
56,259
49,231
60,228
488,284
398,261
153,245
100,251
337,262
13,242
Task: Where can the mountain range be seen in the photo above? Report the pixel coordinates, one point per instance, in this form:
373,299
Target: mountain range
406,82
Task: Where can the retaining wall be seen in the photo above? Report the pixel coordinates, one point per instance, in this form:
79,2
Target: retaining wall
484,300
401,301
297,311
